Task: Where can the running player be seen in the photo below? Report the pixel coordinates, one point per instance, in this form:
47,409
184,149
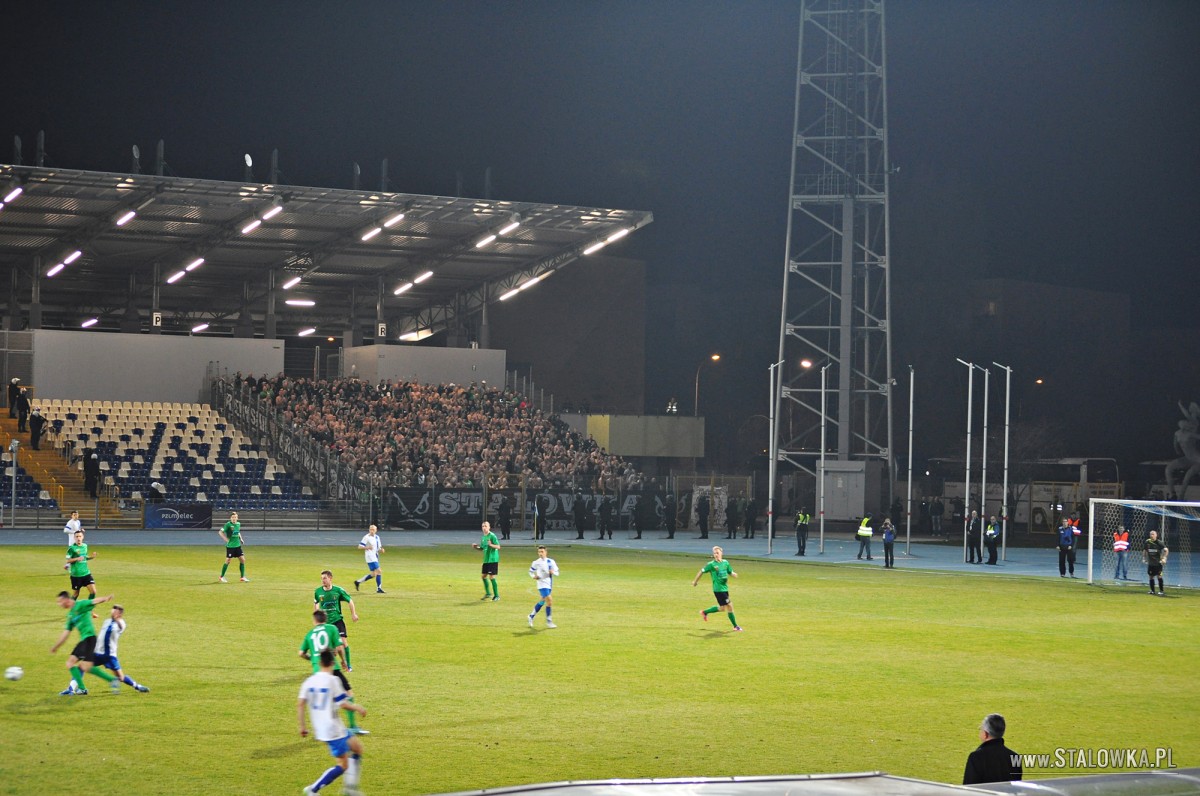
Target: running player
544,570
79,617
77,558
721,571
329,598
105,653
372,546
490,546
231,532
322,693
324,636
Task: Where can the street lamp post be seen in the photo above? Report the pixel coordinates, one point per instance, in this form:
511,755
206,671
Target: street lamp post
912,380
772,453
824,418
967,477
696,397
1004,492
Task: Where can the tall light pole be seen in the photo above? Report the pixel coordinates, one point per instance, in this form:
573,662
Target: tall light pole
1004,493
983,482
912,380
773,463
967,476
824,419
696,397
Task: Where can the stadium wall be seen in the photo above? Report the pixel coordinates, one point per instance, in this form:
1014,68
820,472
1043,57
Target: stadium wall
425,365
141,367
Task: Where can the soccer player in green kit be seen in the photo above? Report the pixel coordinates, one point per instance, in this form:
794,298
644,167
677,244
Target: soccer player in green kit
324,636
329,598
721,571
79,617
77,558
490,546
231,532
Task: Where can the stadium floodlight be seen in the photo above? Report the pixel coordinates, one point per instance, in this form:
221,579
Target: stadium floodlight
13,193
370,233
90,322
194,264
72,257
419,334
300,303
402,289
199,328
620,233
291,283
275,209
254,224
422,277
393,221
305,332
595,247
55,270
125,218
509,227
175,277
485,240
510,294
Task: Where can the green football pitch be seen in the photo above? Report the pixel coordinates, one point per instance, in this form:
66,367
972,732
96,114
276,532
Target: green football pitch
840,668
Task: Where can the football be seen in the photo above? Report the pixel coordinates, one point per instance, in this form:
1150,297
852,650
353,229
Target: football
14,673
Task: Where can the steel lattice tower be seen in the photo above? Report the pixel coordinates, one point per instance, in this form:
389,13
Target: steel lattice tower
836,292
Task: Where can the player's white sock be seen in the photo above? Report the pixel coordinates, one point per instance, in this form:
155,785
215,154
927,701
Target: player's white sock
355,771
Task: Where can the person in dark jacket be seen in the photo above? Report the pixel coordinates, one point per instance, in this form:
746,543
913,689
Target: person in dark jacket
504,517
37,424
992,761
91,472
638,515
22,410
974,533
751,515
669,515
579,509
14,389
732,520
703,506
604,517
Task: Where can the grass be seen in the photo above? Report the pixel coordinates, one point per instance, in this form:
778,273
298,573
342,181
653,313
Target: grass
841,668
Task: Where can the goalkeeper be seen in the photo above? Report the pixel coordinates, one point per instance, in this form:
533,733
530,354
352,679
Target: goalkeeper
1154,556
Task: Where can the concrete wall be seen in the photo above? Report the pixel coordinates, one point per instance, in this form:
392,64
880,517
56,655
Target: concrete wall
141,367
668,436
426,364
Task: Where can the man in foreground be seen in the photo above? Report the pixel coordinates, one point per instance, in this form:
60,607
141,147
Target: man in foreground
992,761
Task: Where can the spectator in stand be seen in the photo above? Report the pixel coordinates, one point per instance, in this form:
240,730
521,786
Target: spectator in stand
448,435
37,424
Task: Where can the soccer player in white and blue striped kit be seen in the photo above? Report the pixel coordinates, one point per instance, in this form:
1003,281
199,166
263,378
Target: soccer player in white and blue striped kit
543,570
106,650
373,546
324,696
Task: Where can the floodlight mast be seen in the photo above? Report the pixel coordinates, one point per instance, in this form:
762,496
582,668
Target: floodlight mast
836,297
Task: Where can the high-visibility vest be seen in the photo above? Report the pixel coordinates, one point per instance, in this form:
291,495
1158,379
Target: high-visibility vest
1120,542
864,529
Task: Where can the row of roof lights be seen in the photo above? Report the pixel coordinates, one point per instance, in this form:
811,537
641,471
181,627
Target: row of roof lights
600,244
10,192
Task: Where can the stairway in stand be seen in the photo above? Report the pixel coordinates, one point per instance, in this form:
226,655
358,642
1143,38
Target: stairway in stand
47,461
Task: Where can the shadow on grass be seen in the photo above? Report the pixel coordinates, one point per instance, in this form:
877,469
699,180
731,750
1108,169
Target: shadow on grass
275,752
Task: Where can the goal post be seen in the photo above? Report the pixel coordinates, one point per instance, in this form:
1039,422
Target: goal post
1178,526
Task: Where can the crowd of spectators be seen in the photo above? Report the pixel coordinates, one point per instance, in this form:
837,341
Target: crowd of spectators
408,434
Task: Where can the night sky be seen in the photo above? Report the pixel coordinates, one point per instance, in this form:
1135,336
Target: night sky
1036,139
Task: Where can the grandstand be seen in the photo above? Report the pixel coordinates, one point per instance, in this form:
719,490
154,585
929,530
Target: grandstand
193,452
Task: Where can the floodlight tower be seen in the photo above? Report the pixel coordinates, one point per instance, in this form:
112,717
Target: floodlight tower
836,292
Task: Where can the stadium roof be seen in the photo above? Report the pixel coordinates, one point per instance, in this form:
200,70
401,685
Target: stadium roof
354,252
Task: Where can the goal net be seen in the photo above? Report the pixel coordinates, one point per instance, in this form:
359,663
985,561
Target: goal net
1178,526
